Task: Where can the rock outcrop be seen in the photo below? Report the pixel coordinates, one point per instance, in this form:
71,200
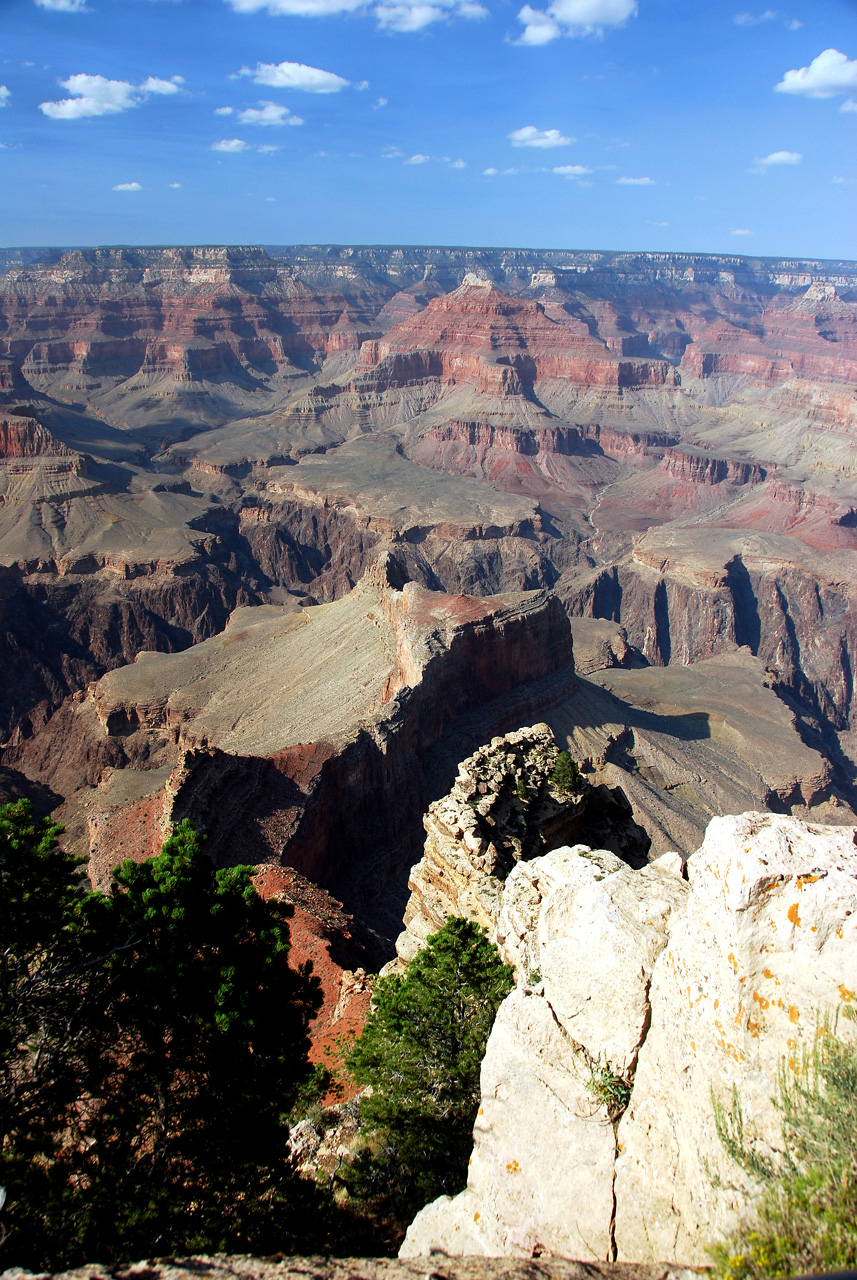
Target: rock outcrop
642,995
503,809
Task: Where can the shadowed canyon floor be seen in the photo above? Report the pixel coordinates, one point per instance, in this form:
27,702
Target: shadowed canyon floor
344,501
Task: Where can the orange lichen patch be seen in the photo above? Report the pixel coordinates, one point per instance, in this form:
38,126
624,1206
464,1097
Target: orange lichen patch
845,994
793,916
761,1001
733,962
802,880
477,1215
754,1028
513,1167
794,1013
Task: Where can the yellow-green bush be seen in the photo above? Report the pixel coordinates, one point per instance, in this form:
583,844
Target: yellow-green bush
805,1221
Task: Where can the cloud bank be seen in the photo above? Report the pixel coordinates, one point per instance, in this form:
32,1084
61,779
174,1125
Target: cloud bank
391,15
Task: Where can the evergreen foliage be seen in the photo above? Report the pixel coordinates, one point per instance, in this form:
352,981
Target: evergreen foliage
566,774
153,1041
806,1219
421,1051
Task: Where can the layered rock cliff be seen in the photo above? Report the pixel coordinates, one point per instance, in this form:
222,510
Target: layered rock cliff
285,737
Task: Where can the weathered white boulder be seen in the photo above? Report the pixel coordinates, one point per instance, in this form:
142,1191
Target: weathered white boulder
524,1194
541,1174
598,943
528,887
769,940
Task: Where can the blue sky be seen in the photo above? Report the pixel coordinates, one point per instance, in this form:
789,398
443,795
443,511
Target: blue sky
677,125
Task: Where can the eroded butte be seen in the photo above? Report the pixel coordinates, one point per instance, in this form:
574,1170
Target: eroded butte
287,534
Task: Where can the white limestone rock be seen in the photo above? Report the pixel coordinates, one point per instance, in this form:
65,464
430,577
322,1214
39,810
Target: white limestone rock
524,1193
769,939
541,1174
598,943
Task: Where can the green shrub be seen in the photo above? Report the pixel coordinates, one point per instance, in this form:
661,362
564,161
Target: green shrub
806,1218
421,1051
566,774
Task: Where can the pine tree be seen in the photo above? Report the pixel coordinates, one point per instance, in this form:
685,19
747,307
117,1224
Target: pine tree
566,774
421,1051
175,1036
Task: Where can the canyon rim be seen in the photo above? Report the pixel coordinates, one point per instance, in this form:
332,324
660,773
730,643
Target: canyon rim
324,539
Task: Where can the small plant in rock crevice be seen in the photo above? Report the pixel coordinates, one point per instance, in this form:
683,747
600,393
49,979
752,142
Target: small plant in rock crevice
608,1090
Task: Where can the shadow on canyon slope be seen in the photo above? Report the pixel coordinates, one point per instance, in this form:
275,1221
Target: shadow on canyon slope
686,726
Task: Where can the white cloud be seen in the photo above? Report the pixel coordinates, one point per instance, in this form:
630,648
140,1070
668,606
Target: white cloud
268,148
407,17
768,15
573,18
418,159
230,144
779,157
391,15
850,104
270,199
539,27
98,96
296,8
268,113
295,75
165,87
489,173
223,111
741,231
458,164
5,95
571,170
635,182
828,74
530,136
127,186
174,186
63,6
381,102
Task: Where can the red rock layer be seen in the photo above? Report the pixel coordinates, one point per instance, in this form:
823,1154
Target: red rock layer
500,344
193,312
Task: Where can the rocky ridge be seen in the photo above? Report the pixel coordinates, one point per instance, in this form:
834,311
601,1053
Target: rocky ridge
504,809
